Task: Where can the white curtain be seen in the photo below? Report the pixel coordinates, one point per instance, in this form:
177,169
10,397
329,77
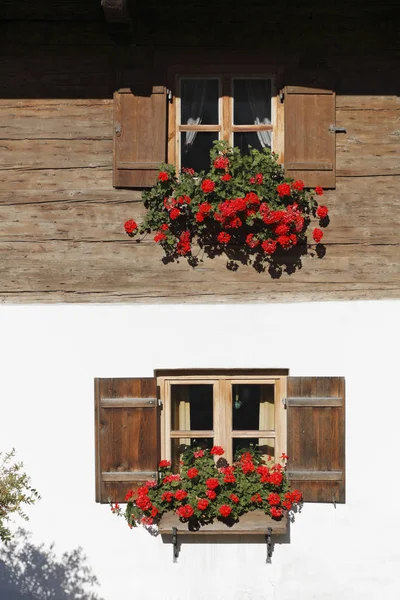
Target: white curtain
195,96
258,98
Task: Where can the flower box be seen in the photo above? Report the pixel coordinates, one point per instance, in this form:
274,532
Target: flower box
254,522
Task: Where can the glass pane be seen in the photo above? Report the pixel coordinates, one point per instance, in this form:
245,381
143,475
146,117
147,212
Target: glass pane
195,149
253,406
251,101
179,445
192,407
255,139
199,101
265,445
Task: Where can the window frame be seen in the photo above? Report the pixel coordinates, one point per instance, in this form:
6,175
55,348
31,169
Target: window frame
223,433
226,74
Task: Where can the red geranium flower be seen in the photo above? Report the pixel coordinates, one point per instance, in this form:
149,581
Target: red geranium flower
298,185
283,189
281,229
159,237
174,213
252,241
259,178
187,171
317,235
222,162
193,472
202,504
185,512
199,454
180,494
163,176
205,208
212,483
226,177
217,450
199,217
269,246
130,226
319,190
211,494
223,237
234,498
207,186
129,495
164,463
225,510
167,496
284,456
276,513
276,478
322,212
164,227
274,499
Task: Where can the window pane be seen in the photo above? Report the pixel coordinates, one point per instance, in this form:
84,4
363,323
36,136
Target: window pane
255,139
192,407
199,101
178,446
253,406
251,101
266,446
195,149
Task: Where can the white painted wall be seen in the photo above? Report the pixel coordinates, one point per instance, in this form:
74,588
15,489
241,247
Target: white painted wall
49,357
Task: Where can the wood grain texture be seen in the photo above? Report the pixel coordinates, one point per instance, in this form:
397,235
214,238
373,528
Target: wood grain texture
255,523
316,439
126,437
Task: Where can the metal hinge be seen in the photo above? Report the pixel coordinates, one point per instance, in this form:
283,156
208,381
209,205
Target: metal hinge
334,129
169,95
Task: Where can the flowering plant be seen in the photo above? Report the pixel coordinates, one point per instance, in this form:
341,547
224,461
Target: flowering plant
206,489
242,207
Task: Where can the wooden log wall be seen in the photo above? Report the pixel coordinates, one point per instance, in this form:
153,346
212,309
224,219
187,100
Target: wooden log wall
61,221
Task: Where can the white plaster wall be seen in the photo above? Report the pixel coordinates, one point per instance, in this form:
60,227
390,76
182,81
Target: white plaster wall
49,357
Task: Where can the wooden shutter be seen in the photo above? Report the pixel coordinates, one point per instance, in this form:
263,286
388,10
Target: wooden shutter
127,436
310,145
316,437
140,118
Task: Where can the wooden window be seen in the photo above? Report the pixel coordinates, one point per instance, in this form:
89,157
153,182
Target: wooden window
226,411
246,106
240,108
140,420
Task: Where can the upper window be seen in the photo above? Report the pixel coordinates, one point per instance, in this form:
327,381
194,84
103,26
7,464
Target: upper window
238,109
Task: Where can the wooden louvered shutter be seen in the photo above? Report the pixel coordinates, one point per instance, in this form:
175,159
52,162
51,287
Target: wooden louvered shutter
310,145
316,437
127,436
140,120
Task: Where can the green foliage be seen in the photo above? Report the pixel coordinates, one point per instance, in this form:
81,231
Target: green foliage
15,492
243,207
208,488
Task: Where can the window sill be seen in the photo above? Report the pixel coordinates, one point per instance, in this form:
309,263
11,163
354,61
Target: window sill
255,522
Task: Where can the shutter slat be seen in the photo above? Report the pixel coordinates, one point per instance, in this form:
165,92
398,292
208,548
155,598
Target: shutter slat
140,137
127,436
309,145
316,437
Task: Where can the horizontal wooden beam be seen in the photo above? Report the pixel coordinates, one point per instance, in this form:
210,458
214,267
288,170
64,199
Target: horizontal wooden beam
315,475
313,402
128,402
128,476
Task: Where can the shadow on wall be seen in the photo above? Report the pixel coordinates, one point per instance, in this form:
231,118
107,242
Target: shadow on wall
30,572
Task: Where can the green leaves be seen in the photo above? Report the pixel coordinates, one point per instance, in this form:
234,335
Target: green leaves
15,491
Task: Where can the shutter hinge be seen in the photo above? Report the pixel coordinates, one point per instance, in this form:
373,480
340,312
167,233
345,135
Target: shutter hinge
281,96
159,402
284,402
118,129
169,96
334,129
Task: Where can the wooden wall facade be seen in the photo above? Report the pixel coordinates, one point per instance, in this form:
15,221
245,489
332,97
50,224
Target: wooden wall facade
61,221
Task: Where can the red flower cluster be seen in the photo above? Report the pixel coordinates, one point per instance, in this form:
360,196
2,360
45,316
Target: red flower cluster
192,473
130,226
226,177
225,510
183,247
217,450
212,483
207,186
283,189
223,237
317,235
163,176
322,212
185,512
222,162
